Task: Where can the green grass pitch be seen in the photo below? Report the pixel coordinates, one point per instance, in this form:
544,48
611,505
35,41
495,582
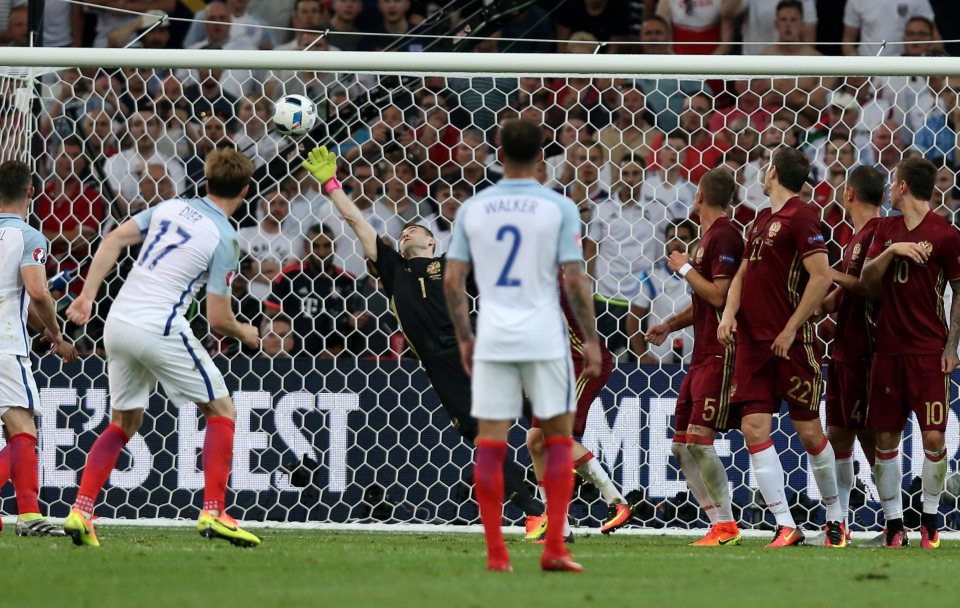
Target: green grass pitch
175,567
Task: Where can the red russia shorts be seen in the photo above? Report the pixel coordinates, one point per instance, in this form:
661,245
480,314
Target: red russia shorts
847,385
761,380
704,397
588,389
903,383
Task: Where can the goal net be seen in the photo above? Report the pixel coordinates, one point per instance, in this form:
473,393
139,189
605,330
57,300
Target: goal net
336,420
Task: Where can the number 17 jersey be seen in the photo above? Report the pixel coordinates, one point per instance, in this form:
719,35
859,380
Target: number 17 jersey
188,243
516,234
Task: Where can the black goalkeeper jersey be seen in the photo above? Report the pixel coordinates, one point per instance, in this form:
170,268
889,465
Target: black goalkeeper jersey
415,289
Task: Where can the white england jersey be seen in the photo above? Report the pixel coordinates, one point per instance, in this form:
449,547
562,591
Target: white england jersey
187,243
20,245
516,234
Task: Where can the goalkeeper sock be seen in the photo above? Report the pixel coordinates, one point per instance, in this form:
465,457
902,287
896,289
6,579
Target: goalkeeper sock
217,460
824,465
713,475
845,481
488,481
769,473
889,478
691,472
100,462
4,465
23,470
933,474
558,481
515,484
589,469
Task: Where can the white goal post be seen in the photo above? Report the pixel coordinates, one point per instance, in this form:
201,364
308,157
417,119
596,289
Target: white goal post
338,425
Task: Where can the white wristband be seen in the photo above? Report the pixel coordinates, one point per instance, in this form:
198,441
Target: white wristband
685,269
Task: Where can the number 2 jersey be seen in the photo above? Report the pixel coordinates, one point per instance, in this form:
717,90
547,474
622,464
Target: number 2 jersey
912,320
188,243
517,234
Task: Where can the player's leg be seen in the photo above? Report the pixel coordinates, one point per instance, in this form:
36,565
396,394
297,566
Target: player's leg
930,397
22,445
842,441
678,448
800,381
497,402
537,525
551,388
887,415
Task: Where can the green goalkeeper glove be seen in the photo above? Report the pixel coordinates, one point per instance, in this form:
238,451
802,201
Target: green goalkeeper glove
322,165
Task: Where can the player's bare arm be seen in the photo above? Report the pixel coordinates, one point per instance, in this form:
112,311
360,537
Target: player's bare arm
224,322
104,261
818,267
657,334
727,329
43,308
579,294
950,360
458,305
322,165
714,292
875,268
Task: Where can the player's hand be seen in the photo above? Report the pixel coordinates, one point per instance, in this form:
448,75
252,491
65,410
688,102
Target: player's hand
466,354
911,251
592,361
66,351
949,360
658,334
322,164
727,331
676,261
250,336
781,346
80,310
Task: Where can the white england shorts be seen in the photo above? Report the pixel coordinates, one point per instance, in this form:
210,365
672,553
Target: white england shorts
17,386
498,388
137,359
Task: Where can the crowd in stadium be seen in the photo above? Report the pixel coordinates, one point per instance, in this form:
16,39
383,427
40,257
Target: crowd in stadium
629,152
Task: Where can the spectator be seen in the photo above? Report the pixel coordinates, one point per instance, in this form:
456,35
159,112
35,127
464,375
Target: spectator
382,139
620,244
207,98
155,186
580,178
124,169
629,133
472,161
214,137
278,339
435,139
667,186
760,18
448,200
945,201
108,19
661,294
839,157
874,21
218,29
267,242
313,85
69,211
397,206
573,130
313,294
531,25
136,93
97,128
935,131
253,138
607,20
665,97
17,31
705,148
901,92
886,148
153,37
703,21
343,23
749,104
246,30
391,28
307,15
842,120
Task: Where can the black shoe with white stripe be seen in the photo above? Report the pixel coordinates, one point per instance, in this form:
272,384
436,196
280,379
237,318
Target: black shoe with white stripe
38,527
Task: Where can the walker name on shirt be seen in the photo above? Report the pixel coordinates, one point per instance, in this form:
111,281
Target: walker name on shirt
511,205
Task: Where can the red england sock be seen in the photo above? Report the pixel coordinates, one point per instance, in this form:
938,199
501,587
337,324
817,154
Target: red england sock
23,470
217,462
488,479
4,465
558,481
103,457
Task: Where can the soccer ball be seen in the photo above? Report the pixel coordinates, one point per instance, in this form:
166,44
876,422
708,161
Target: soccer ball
294,115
